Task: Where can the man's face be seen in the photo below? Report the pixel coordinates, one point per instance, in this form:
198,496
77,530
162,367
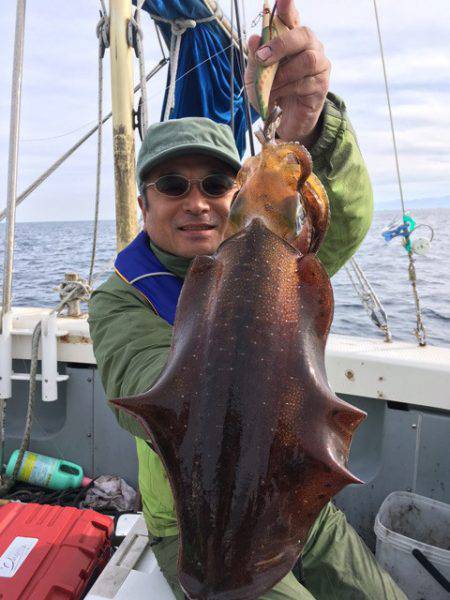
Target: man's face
192,224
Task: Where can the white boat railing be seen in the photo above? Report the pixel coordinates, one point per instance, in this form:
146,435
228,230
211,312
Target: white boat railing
365,367
49,377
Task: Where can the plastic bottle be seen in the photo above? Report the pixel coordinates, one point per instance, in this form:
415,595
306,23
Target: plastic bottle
52,473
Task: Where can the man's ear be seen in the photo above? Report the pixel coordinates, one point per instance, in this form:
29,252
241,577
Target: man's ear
142,204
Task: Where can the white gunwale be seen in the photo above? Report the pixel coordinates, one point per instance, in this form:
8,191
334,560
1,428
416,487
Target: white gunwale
366,367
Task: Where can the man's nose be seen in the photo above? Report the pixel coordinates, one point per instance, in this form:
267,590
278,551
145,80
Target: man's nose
195,202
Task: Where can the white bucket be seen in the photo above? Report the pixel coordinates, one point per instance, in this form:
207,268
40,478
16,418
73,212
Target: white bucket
408,523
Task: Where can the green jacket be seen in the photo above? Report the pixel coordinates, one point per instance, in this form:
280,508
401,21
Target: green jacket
131,342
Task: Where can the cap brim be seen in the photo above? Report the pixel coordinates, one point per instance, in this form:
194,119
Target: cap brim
186,150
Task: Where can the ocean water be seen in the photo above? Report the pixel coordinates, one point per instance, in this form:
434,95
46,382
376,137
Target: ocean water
45,251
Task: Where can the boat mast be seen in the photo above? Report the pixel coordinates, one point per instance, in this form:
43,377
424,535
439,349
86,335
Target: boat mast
123,131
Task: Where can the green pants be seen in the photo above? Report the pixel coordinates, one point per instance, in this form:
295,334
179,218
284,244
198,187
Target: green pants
336,566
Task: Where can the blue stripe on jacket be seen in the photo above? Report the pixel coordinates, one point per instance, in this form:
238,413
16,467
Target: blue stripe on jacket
137,265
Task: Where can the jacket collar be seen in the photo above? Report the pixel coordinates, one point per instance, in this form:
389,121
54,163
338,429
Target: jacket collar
177,265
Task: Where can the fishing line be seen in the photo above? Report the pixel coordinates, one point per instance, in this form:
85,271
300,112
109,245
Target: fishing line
242,66
388,100
272,14
419,331
55,137
152,96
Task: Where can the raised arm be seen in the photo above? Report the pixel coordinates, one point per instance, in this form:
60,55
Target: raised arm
338,163
318,120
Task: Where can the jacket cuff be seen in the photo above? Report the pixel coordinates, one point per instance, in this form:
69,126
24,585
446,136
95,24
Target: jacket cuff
333,123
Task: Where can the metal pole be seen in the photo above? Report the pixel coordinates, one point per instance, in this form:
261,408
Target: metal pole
13,155
123,132
16,90
37,182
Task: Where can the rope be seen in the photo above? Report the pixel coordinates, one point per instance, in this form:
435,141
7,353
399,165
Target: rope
35,339
178,28
38,495
71,290
420,329
103,43
368,298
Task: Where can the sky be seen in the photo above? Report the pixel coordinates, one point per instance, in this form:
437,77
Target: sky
59,96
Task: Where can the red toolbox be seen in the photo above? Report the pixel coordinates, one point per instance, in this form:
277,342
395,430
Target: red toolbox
50,552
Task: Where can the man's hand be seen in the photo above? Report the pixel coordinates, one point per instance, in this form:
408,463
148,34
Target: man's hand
301,82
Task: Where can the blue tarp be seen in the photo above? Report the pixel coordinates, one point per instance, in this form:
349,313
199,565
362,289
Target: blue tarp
203,86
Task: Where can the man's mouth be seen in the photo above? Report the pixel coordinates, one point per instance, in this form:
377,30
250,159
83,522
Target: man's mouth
197,227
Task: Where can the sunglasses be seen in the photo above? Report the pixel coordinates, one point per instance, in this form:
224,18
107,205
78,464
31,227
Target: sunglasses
176,186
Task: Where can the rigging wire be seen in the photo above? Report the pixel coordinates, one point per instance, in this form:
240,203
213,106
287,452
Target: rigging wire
241,63
368,297
419,332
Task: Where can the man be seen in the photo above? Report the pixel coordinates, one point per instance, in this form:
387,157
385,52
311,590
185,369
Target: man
185,174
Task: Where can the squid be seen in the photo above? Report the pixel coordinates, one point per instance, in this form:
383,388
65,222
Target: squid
253,440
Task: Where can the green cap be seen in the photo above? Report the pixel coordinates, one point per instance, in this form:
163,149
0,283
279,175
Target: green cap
189,135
